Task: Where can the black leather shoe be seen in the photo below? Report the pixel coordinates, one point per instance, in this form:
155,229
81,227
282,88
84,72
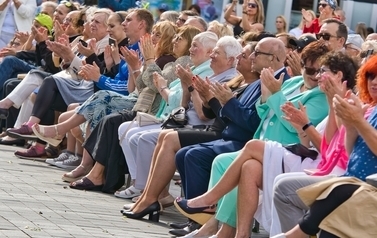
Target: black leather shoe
16,142
179,225
4,113
153,211
186,230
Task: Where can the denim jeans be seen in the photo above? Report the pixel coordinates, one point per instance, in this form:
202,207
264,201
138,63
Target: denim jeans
10,67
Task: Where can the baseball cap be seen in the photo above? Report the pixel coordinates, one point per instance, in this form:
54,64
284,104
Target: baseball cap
355,40
163,7
302,41
45,20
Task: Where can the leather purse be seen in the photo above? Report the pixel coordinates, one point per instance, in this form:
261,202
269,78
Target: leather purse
177,119
302,151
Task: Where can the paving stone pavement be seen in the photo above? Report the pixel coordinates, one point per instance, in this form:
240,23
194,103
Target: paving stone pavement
35,202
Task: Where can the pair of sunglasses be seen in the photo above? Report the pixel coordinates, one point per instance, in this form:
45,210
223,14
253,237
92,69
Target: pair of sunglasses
311,71
252,5
325,36
323,5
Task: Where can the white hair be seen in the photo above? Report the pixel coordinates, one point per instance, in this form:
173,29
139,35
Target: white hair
231,47
207,39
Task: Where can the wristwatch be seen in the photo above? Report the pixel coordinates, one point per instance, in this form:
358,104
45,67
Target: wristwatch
191,88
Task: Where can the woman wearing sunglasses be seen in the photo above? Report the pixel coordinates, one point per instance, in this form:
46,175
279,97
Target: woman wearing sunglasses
252,18
326,10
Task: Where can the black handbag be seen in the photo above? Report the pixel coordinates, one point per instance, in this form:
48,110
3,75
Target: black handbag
177,119
302,151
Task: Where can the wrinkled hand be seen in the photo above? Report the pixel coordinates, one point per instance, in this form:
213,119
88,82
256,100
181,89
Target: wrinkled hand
203,88
296,116
331,88
7,51
58,30
131,57
159,81
146,46
90,72
61,48
349,109
89,50
22,36
40,34
221,92
109,62
184,74
294,62
268,80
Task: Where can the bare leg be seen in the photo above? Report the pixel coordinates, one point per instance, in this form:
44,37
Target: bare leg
161,171
253,150
248,195
209,228
6,103
226,231
96,174
83,168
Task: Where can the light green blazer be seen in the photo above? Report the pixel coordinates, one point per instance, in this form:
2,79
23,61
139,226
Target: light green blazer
281,130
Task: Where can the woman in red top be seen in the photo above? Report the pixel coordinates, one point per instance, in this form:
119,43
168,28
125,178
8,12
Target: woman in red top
326,10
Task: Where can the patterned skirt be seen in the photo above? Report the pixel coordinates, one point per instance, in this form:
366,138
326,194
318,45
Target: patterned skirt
104,103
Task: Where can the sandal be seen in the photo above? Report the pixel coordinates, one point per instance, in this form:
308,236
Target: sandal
69,177
129,192
40,134
85,184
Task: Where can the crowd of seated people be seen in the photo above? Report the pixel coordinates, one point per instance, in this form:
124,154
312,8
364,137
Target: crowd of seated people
246,117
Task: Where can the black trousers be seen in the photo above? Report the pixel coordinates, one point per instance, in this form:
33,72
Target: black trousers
320,209
48,101
103,146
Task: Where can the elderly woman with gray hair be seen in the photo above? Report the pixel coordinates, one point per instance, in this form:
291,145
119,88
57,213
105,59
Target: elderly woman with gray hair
223,62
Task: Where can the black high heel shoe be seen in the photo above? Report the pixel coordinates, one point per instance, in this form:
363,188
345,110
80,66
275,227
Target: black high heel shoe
153,211
197,214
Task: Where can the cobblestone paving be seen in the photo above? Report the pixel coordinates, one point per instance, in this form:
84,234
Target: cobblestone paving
35,202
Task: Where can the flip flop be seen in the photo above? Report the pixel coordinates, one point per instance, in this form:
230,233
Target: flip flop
52,141
85,184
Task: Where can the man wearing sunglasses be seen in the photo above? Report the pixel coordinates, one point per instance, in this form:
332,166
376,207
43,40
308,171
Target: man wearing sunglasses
334,32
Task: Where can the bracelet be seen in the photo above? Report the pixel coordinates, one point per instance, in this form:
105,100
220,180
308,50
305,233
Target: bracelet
306,126
149,59
136,71
163,88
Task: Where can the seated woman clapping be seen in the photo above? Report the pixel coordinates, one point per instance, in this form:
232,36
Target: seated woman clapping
330,199
263,157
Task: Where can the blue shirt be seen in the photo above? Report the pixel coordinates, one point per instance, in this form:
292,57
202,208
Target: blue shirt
120,81
362,162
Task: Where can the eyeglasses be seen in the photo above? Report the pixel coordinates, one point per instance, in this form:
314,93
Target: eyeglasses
325,36
311,71
370,76
323,5
67,20
182,20
256,53
324,69
252,5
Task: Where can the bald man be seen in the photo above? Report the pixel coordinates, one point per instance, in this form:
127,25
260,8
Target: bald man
372,36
